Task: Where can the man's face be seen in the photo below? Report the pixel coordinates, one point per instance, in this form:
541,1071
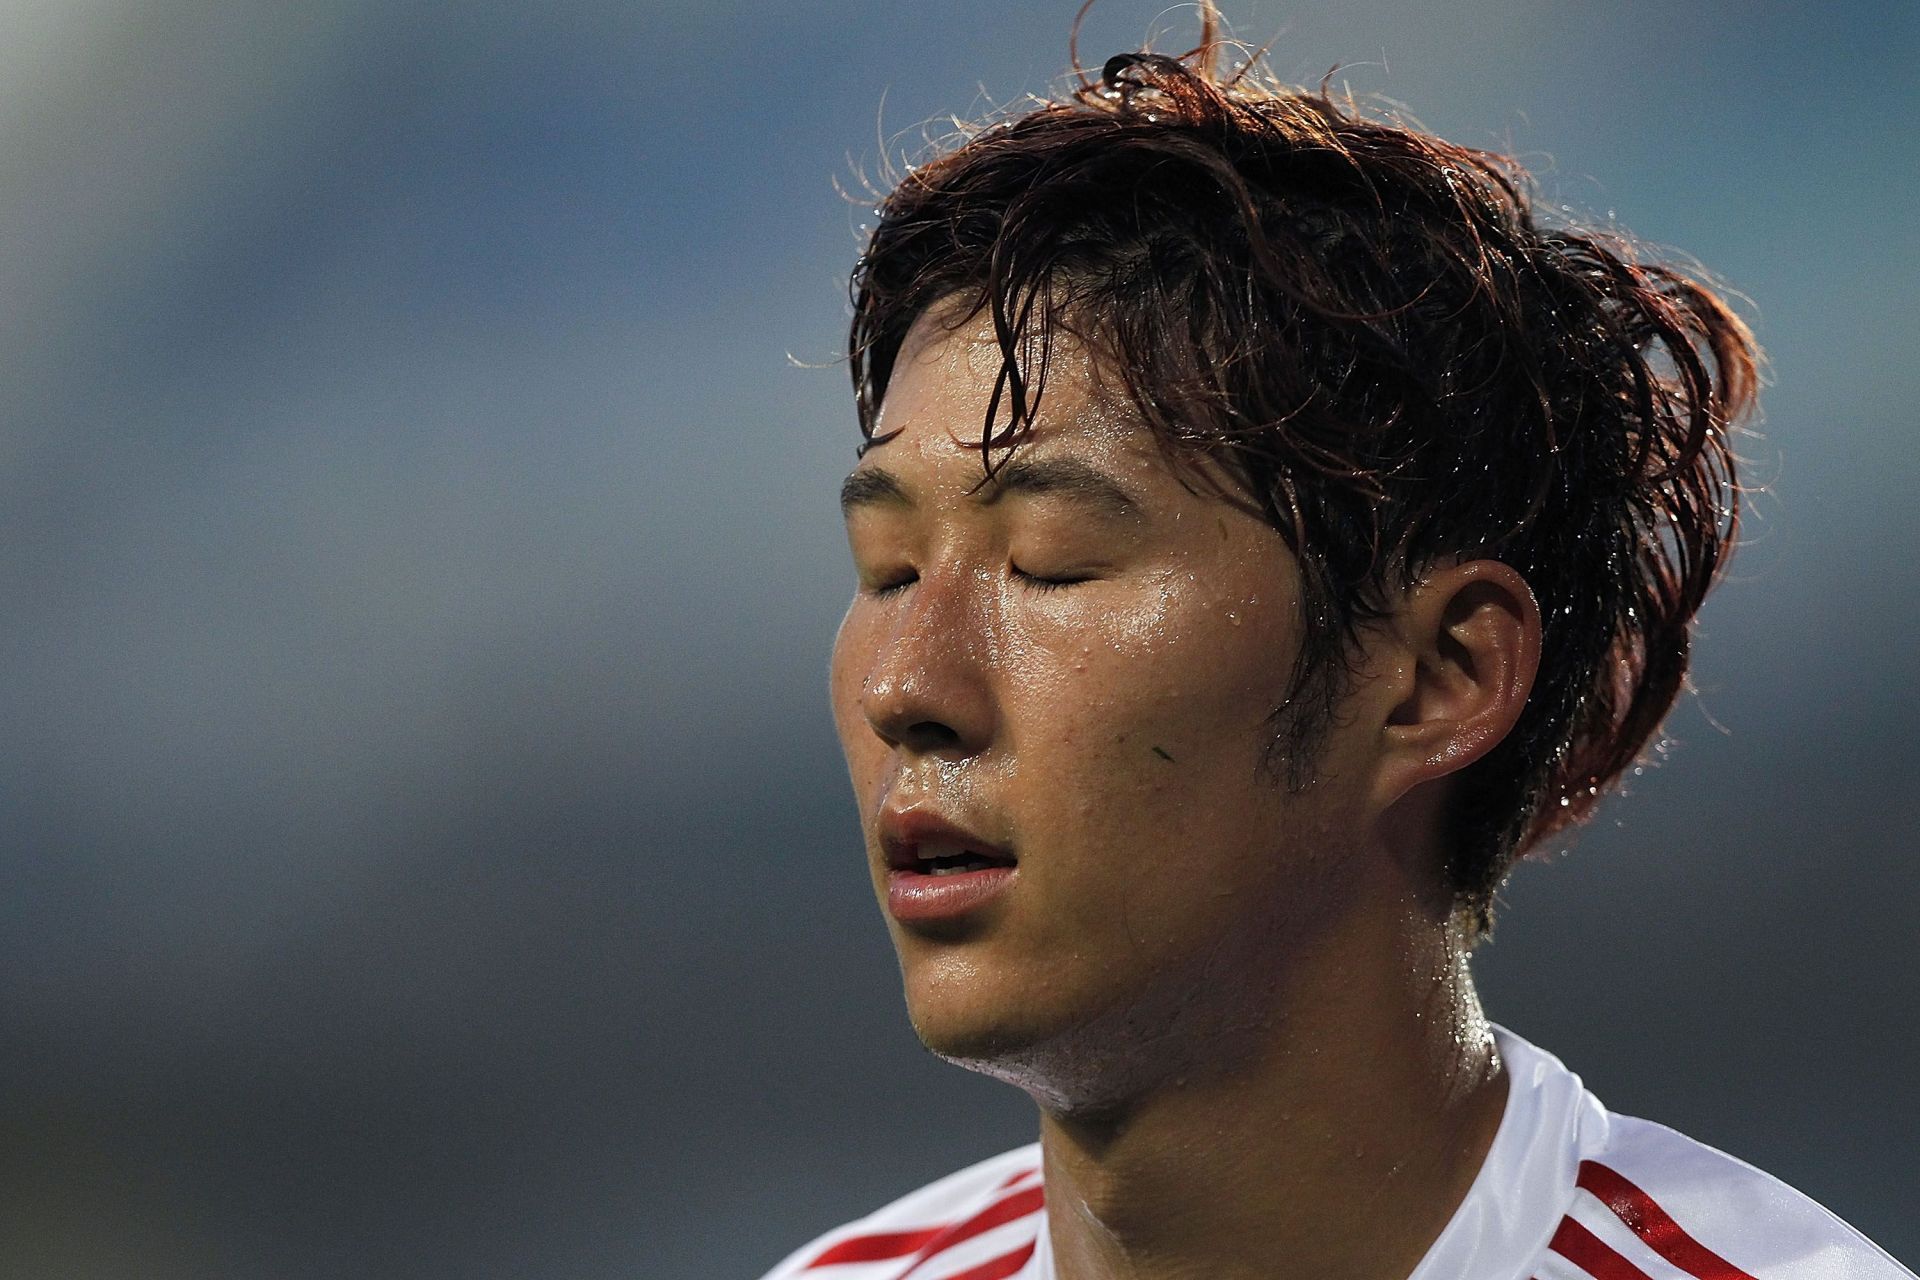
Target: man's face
1071,673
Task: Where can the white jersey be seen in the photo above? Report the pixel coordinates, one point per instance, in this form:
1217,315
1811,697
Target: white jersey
1569,1191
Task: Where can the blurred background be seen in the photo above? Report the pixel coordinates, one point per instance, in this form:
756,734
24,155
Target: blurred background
426,851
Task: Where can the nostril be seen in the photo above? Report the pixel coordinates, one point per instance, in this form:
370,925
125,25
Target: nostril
929,735
928,700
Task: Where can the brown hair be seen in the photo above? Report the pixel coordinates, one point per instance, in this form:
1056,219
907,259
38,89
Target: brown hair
1393,356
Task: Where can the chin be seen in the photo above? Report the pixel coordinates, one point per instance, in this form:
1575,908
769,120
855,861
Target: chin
1068,1060
967,1019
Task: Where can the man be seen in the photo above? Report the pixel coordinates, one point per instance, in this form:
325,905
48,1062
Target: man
1267,531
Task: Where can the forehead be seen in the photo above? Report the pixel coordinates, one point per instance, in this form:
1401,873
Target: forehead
943,381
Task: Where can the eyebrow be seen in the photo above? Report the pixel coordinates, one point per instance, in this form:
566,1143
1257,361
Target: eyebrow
1065,477
871,487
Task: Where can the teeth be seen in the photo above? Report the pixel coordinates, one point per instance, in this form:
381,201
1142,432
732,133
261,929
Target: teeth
949,860
946,858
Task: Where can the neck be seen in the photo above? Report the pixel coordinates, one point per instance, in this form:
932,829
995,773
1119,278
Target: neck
1338,1149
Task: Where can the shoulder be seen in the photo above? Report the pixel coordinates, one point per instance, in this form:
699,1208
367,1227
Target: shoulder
1672,1208
987,1215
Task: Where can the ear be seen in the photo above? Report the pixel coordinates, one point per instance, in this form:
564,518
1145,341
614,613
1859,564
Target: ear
1466,646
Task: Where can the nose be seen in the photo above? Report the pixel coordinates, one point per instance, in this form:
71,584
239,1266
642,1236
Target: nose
928,690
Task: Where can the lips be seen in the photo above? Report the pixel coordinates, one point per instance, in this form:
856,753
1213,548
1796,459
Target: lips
939,870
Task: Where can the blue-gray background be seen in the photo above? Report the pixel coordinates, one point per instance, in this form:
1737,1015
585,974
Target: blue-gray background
425,850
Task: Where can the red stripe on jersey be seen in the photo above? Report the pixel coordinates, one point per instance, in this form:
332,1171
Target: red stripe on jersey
877,1247
1592,1254
1653,1224
1002,1211
998,1268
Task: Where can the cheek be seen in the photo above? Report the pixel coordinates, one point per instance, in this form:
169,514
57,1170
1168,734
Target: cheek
847,673
840,662
1182,662
1147,776
1153,716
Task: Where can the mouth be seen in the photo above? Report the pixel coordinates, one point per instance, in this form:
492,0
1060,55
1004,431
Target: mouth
939,871
943,858
957,864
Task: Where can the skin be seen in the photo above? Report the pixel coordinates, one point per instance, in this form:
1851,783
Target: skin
1244,1010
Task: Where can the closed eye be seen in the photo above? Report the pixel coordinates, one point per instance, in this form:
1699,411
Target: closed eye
894,586
1041,583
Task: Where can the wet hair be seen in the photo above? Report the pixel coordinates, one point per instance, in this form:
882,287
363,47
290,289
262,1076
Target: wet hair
1394,356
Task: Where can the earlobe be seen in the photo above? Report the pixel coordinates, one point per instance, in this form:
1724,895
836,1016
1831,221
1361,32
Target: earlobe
1468,641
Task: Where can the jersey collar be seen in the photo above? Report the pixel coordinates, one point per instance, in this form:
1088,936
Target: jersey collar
1522,1188
1527,1178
